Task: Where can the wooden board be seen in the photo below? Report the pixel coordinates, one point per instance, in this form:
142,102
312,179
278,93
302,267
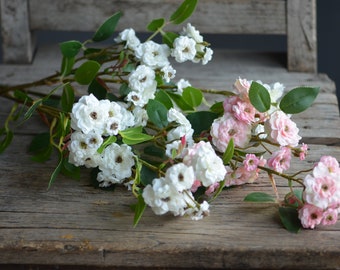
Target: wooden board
75,224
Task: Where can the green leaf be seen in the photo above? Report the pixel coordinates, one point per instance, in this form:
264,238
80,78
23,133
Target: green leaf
259,97
180,102
107,28
6,137
290,219
107,141
70,48
298,99
183,12
67,64
67,98
87,72
164,98
70,170
40,147
138,209
229,152
56,171
192,96
157,113
201,121
132,136
32,109
147,175
217,108
259,197
156,24
98,88
294,198
168,38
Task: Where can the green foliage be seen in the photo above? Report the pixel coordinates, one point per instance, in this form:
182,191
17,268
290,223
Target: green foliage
183,12
290,219
70,48
201,121
67,98
135,135
259,97
107,141
156,24
6,137
67,64
217,108
40,147
298,99
229,152
180,102
138,208
164,98
87,72
98,88
259,197
107,29
192,96
157,113
168,38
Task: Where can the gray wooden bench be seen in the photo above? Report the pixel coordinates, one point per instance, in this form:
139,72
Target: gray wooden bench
74,224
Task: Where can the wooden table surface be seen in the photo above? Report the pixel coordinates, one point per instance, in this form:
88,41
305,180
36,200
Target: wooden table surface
76,224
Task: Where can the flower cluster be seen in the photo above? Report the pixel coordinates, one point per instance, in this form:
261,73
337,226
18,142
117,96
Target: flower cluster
159,137
322,194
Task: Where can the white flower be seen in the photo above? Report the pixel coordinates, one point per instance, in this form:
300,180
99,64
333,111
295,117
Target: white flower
140,116
198,212
191,32
208,167
87,115
163,197
116,164
128,35
276,91
173,147
181,176
83,149
183,129
181,85
184,49
207,56
168,73
141,78
153,54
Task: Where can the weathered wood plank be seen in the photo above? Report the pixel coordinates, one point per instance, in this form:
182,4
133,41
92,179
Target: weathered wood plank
75,224
230,16
301,35
17,40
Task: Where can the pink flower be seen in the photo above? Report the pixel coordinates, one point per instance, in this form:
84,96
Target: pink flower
282,129
196,185
331,163
251,162
211,189
225,128
242,85
330,216
303,151
240,177
310,216
244,111
280,160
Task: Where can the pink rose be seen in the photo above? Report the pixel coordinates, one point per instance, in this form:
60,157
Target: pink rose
283,130
280,160
310,216
225,128
330,216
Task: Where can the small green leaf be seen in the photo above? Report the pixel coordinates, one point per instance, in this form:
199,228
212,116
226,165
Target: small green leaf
70,48
32,109
290,219
183,12
259,97
217,108
192,96
107,28
135,135
156,24
70,170
229,152
180,102
168,38
98,88
164,98
107,141
147,175
87,72
56,171
138,209
6,137
67,98
298,99
40,147
259,197
67,64
157,113
201,121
